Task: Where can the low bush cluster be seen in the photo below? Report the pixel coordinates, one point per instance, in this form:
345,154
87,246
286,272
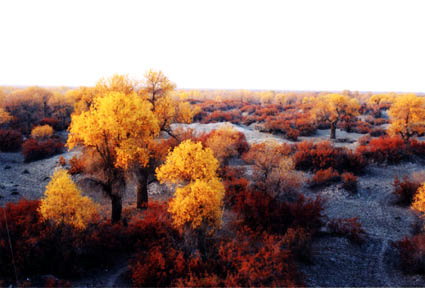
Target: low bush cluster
389,150
323,155
36,150
324,177
405,189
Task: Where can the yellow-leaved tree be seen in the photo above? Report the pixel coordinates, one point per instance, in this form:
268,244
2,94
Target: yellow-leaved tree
42,132
157,89
4,116
331,108
378,101
407,115
63,202
418,203
198,201
117,130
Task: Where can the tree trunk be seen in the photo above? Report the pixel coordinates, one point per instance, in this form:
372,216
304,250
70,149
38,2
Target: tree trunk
116,208
142,189
333,130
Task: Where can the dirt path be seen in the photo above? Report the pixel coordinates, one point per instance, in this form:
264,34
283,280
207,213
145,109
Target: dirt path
337,262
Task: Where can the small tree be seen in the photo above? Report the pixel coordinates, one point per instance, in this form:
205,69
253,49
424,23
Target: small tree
331,108
63,203
407,116
197,204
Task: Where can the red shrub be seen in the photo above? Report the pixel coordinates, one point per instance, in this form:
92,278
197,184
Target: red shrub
292,134
361,127
261,212
234,184
35,150
324,177
405,190
349,181
243,259
412,253
223,116
158,268
10,140
349,227
385,149
298,241
77,165
69,251
323,155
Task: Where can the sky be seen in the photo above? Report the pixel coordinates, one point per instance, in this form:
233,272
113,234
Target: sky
373,45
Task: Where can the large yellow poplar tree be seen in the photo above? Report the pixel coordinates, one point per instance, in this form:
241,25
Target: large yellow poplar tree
118,128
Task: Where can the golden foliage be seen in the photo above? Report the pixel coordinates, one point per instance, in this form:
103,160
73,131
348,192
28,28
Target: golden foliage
42,132
332,107
119,127
377,100
4,116
407,116
156,86
63,203
188,162
418,203
225,142
198,203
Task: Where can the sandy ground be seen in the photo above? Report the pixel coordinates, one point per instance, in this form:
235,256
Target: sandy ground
336,261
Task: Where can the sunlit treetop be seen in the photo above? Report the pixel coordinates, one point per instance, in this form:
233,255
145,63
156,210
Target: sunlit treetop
63,202
407,115
156,86
331,107
116,83
188,162
4,116
378,99
119,127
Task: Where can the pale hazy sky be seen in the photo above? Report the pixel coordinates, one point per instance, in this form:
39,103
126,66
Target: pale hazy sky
289,45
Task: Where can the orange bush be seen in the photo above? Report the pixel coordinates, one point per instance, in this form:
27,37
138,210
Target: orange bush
322,155
405,189
77,165
349,181
35,150
324,177
385,149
